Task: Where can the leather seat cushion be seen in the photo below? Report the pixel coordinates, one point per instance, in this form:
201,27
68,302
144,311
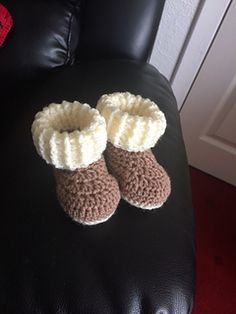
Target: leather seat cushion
136,262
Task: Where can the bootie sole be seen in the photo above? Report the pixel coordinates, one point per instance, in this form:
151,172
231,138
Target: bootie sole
147,207
91,223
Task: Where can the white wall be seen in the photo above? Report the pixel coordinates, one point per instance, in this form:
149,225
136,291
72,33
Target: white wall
174,27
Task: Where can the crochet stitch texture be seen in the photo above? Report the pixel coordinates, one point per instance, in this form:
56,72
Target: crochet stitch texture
69,135
5,23
142,181
133,123
89,195
72,137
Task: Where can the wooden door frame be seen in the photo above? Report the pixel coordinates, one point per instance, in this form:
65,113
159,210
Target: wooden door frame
206,24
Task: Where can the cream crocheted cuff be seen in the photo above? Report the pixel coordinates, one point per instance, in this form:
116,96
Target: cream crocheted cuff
69,135
133,123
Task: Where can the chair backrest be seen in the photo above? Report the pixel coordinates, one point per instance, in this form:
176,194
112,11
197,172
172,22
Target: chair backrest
53,33
118,28
44,35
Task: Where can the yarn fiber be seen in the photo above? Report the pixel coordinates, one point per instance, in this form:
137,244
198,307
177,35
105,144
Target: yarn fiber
88,195
69,135
142,180
133,123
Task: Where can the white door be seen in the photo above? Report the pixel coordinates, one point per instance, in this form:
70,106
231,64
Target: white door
209,113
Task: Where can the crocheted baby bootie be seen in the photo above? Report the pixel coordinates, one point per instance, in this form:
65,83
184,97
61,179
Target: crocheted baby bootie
134,125
72,138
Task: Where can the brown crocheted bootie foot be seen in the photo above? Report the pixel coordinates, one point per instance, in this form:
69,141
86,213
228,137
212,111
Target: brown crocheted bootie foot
134,125
89,195
142,181
72,137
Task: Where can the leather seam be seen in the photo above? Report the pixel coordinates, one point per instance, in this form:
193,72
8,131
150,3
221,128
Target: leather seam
68,54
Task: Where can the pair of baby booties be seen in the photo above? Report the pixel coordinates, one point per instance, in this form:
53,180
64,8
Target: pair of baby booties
100,155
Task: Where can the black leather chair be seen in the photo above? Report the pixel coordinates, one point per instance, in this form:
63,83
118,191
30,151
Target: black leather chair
137,262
